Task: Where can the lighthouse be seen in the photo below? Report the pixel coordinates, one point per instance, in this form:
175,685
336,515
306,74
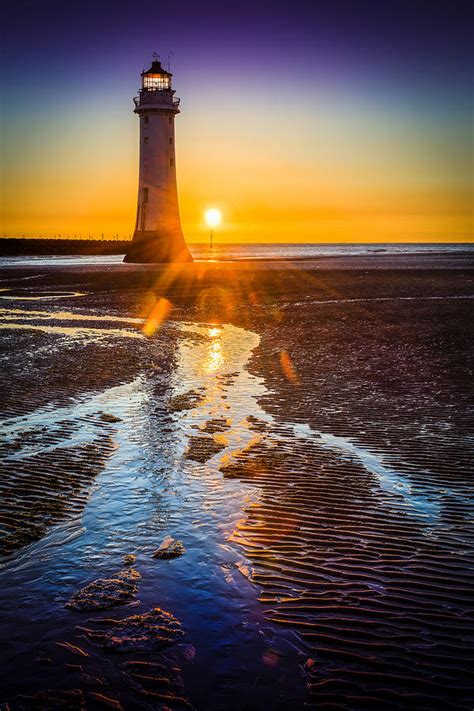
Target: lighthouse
158,236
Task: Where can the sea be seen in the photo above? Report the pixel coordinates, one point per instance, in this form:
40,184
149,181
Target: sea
265,252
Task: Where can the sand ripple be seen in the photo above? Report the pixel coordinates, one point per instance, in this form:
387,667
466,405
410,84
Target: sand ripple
383,603
362,539
39,489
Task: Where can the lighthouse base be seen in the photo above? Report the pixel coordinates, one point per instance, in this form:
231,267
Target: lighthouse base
157,247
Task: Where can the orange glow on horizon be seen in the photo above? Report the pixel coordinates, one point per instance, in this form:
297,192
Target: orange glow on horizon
338,172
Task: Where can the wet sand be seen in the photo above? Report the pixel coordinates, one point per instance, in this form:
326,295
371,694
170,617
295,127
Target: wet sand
302,429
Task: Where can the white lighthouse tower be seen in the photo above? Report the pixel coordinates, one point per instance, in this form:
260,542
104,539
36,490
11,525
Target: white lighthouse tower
158,236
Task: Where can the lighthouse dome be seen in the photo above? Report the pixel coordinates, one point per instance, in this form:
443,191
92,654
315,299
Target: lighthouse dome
156,78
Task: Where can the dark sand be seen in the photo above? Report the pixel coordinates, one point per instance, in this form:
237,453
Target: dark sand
359,541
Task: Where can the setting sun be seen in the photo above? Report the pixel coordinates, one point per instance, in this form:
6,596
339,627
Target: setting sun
213,217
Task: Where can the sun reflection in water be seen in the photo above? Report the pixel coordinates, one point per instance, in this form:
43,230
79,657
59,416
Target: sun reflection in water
222,394
214,358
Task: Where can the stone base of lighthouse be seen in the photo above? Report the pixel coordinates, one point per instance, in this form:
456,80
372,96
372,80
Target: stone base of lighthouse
158,247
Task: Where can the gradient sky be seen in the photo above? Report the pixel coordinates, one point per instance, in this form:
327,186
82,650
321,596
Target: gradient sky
301,121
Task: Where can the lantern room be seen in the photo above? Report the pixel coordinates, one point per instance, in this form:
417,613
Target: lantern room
156,78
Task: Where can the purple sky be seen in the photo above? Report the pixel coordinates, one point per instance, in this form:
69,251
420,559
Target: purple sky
427,41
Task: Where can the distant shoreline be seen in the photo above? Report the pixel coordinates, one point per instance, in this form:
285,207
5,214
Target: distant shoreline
17,247
233,252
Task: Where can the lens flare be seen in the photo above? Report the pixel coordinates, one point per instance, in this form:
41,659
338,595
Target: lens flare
288,368
157,316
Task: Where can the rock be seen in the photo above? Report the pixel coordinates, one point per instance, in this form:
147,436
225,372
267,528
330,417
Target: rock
201,449
218,424
129,559
139,633
186,401
169,549
106,417
106,592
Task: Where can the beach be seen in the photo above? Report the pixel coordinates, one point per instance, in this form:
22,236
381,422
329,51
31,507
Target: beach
301,427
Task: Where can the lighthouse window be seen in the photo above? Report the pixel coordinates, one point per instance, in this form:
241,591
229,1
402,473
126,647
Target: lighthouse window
145,140
171,141
171,161
146,119
170,120
145,194
155,82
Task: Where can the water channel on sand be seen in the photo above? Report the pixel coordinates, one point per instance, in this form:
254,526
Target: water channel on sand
162,478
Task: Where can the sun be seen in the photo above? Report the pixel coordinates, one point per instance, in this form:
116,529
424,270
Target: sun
213,217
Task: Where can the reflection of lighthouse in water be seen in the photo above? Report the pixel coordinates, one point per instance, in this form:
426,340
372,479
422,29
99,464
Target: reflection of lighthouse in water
158,236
